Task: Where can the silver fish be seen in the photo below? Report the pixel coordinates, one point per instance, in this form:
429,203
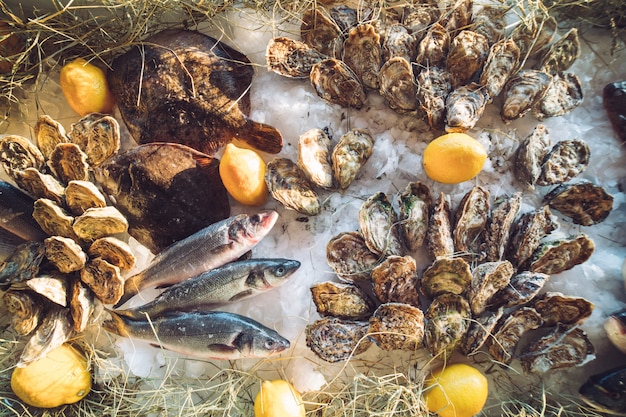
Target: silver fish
16,213
231,282
615,328
203,335
606,391
211,247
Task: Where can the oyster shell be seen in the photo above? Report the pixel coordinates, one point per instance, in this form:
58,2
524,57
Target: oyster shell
291,58
378,222
564,95
555,307
336,340
584,202
534,34
83,195
395,280
113,251
530,155
54,330
397,326
23,264
336,83
565,347
350,154
98,136
433,48
68,162
447,321
41,185
470,218
345,17
566,159
457,15
65,254
362,52
53,219
398,42
528,231
523,91
18,153
439,233
51,286
99,222
349,257
104,280
556,256
522,288
433,86
509,332
48,134
446,275
465,106
397,85
487,279
468,52
498,229
501,64
286,183
414,207
314,157
81,305
341,300
490,22
419,17
561,54
26,310
320,32
479,331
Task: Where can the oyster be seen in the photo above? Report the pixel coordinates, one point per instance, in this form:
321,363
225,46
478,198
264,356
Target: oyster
345,17
479,331
41,185
555,307
104,280
362,52
418,17
470,218
25,308
113,251
565,347
287,183
395,280
447,321
522,288
468,52
54,330
53,219
98,136
291,58
534,34
336,83
439,233
414,207
81,305
523,91
397,326
336,340
349,257
433,86
341,300
501,64
65,254
564,95
528,231
510,331
68,162
556,256
487,279
614,102
465,106
490,22
530,155
378,222
18,153
51,286
433,48
320,32
99,222
314,157
83,195
498,229
23,264
566,159
457,15
445,276
397,85
350,154
584,202
48,134
562,53
398,42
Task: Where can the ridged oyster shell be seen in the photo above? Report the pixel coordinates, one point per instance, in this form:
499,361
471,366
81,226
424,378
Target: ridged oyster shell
510,331
378,224
395,280
341,300
433,86
465,106
554,307
501,63
397,84
336,340
529,156
561,54
287,183
498,229
336,83
523,91
350,154
487,279
98,136
48,134
479,331
349,257
522,288
414,210
566,159
555,256
564,94
320,32
584,202
470,218
446,276
468,52
527,233
362,52
447,321
314,157
397,326
291,58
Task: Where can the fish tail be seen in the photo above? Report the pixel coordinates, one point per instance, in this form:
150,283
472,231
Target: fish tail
263,137
116,325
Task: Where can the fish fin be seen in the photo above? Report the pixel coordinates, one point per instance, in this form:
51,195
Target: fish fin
207,163
116,325
221,348
261,136
241,295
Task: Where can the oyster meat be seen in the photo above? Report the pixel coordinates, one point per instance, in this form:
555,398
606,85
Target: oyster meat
487,279
446,275
555,307
350,154
314,157
522,288
397,326
528,231
378,223
555,256
465,106
498,229
291,58
395,280
530,155
470,218
287,183
439,234
447,321
564,94
341,300
501,64
584,202
362,52
349,257
414,207
336,83
336,340
468,52
509,332
523,91
566,159
561,54
433,86
397,85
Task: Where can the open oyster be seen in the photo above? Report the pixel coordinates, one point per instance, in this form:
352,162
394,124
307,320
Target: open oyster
584,202
487,279
446,275
395,280
336,340
447,321
414,205
349,257
378,223
341,300
553,257
397,326
52,286
510,331
287,183
566,159
555,307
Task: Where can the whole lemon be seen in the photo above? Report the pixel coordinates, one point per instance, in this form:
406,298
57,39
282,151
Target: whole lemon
457,390
453,158
61,377
243,174
85,88
278,398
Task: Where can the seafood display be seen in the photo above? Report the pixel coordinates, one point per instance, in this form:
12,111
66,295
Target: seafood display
605,392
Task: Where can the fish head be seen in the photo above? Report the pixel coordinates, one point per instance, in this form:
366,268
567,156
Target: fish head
255,227
261,343
277,274
606,392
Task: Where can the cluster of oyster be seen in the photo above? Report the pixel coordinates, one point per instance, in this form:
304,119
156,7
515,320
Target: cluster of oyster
319,165
435,58
51,284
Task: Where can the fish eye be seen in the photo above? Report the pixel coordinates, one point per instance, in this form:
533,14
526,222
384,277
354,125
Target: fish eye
281,271
269,344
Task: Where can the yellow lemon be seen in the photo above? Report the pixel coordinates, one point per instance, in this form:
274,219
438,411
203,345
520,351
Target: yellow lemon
85,88
453,158
457,390
278,398
61,377
243,174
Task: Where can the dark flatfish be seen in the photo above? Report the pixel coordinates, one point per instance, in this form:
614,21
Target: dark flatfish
167,191
614,100
185,87
606,392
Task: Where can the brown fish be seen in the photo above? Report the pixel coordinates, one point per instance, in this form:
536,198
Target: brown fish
185,87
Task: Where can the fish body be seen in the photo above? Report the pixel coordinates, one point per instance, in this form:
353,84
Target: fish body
16,213
203,335
213,246
231,282
606,391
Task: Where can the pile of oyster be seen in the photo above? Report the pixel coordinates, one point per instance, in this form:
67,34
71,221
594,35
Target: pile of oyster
484,286
436,59
50,284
